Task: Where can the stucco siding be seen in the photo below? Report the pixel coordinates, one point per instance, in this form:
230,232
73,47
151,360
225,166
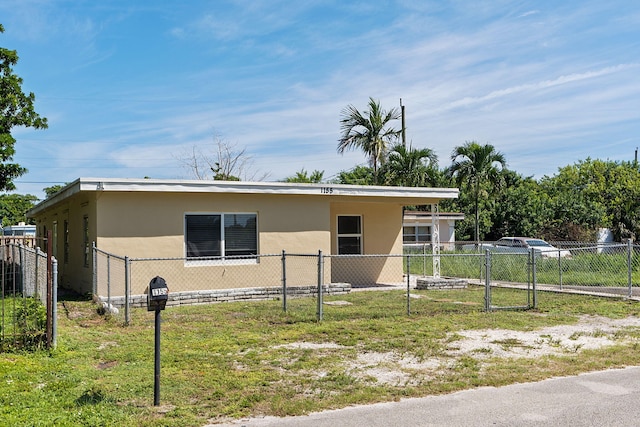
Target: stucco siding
381,234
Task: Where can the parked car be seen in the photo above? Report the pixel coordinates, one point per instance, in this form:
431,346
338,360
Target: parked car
546,250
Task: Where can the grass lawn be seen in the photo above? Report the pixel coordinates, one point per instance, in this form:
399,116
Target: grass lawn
231,360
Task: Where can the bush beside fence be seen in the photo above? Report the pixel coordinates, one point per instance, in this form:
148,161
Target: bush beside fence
27,300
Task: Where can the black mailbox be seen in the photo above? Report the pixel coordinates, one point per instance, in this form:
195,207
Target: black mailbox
157,294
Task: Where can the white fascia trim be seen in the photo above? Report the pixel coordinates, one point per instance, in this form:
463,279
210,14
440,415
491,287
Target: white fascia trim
198,186
241,187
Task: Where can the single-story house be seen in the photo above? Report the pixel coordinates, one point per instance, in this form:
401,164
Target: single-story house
207,225
418,228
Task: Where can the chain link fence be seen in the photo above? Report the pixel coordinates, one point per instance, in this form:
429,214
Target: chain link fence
121,282
27,301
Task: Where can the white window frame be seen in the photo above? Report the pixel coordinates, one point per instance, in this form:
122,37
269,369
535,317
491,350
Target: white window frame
223,258
359,235
415,226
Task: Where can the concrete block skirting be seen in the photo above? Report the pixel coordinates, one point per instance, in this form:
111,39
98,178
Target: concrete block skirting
440,283
230,295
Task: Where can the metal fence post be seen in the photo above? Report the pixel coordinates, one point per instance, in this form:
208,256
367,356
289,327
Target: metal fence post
36,276
109,282
487,280
54,278
408,281
284,281
534,277
629,266
320,280
50,286
21,272
94,255
127,289
560,268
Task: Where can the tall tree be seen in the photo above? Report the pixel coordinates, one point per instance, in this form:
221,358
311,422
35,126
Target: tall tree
369,131
16,109
222,162
410,167
478,167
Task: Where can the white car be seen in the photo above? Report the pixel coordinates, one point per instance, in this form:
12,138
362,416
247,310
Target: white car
518,243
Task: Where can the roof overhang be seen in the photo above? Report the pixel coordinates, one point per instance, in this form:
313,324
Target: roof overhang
400,195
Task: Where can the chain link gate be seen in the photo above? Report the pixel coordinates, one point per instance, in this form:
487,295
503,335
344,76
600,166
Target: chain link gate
512,271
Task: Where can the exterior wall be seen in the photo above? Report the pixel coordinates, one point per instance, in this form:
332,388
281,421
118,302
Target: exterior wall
381,234
72,271
154,227
152,224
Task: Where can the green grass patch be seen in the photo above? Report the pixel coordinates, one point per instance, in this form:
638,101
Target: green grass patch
232,360
582,269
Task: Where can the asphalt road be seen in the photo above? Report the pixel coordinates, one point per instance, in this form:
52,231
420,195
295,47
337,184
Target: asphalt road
607,398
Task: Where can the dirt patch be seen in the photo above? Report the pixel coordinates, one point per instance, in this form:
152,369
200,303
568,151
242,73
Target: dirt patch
590,332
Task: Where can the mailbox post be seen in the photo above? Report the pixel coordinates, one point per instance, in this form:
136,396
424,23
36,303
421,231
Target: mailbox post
157,295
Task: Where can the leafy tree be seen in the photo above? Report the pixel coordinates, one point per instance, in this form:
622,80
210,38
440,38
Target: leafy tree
478,168
360,175
301,176
368,131
14,207
521,208
591,194
16,109
410,167
50,191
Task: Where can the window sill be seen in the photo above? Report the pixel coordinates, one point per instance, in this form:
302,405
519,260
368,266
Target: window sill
220,261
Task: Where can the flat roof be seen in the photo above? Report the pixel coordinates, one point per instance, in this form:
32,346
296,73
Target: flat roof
243,187
417,215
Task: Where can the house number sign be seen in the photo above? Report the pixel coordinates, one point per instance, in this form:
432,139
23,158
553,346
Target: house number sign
326,190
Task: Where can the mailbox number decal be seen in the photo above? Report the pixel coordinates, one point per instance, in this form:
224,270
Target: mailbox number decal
159,291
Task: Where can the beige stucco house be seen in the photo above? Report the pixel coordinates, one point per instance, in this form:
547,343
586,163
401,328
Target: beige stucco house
216,228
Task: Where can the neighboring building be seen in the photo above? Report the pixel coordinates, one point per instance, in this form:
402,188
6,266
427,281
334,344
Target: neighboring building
21,233
417,228
144,218
21,229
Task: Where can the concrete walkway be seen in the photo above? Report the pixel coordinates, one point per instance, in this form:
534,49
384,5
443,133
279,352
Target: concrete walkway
607,398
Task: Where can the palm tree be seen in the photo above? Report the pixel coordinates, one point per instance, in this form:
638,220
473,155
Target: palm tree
411,167
476,165
368,131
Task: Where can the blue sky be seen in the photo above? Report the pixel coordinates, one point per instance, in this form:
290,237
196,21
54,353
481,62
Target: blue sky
130,86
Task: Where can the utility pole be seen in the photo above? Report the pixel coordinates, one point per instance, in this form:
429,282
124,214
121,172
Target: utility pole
404,136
